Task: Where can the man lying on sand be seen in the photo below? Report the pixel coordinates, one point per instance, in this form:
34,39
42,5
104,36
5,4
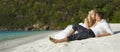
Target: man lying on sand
99,29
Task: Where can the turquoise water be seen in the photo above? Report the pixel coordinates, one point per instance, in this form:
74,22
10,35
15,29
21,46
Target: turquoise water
7,35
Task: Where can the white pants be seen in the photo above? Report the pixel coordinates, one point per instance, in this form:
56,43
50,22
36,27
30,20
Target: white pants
62,34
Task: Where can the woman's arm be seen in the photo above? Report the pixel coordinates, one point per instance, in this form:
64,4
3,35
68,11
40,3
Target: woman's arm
86,22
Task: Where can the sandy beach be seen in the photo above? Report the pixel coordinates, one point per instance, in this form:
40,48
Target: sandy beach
42,44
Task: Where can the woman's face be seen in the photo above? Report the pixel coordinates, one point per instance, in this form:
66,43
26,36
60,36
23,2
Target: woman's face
93,15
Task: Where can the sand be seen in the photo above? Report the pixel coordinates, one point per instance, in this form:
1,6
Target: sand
103,44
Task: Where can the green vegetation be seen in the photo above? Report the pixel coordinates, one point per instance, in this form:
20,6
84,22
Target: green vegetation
57,14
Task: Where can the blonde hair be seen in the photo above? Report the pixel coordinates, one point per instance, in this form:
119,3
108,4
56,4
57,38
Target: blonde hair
91,21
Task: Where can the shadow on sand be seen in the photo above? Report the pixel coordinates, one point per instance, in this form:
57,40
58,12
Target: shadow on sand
116,32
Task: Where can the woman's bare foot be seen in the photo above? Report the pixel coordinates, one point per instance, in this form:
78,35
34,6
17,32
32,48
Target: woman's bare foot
53,40
58,41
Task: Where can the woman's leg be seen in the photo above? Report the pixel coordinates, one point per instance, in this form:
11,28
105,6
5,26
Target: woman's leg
64,33
68,31
79,36
75,27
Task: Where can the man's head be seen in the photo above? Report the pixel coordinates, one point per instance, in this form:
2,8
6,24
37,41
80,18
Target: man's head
99,16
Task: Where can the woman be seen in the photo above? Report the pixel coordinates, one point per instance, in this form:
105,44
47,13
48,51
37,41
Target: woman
88,22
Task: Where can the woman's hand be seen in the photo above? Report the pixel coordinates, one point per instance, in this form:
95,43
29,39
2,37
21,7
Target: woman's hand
102,35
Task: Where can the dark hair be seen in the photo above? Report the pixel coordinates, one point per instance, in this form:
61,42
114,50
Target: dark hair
101,15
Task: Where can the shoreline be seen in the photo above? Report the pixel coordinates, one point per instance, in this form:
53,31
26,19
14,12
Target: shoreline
7,45
19,35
